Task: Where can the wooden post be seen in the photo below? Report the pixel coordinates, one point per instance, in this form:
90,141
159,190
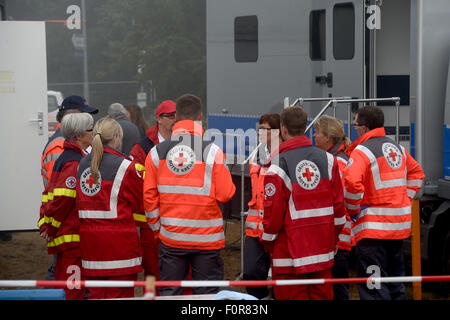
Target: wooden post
149,288
415,249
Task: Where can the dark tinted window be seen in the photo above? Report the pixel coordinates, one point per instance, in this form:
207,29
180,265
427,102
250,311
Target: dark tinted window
343,31
317,35
246,39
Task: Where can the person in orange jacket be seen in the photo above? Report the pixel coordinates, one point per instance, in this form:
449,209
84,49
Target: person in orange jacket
380,180
185,178
330,136
256,259
61,215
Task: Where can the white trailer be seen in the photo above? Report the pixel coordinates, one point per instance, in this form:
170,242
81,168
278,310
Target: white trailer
260,51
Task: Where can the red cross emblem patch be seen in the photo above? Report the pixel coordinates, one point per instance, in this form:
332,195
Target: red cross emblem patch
392,154
270,189
180,159
71,182
87,183
307,174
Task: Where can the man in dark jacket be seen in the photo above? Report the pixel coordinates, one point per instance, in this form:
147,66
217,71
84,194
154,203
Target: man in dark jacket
131,133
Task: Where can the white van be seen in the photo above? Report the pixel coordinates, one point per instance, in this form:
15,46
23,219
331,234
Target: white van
54,98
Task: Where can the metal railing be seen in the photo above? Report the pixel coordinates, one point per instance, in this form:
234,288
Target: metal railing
334,102
300,101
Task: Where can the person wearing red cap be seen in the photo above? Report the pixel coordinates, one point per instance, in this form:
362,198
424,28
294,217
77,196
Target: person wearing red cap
162,130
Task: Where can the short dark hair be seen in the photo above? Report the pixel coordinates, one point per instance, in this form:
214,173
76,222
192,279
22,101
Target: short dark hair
273,119
188,107
294,119
371,117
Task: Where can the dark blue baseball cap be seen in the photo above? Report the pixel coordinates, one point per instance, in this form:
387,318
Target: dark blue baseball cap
77,102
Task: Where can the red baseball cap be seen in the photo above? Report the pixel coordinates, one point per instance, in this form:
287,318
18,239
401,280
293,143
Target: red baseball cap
167,106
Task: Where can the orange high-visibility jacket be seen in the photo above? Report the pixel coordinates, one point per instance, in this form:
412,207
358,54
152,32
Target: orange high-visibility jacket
346,240
254,221
185,178
380,179
51,152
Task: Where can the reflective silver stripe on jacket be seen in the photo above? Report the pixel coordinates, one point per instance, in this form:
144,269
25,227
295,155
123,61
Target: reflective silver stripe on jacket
114,264
378,183
253,225
283,175
351,206
51,157
269,236
300,262
353,196
191,223
339,221
205,190
330,159
155,157
185,237
112,213
152,214
382,226
308,213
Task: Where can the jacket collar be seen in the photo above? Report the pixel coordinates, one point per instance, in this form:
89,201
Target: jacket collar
71,145
375,133
113,151
187,127
334,150
297,142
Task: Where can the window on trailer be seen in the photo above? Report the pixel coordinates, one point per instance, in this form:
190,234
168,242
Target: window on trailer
246,39
344,31
317,40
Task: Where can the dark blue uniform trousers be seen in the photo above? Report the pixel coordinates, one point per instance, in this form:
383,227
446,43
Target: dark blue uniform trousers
387,255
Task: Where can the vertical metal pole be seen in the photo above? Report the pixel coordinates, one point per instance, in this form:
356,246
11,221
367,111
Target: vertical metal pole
349,120
85,53
415,248
397,124
242,218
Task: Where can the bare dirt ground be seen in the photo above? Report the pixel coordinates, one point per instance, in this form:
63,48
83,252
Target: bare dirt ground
25,258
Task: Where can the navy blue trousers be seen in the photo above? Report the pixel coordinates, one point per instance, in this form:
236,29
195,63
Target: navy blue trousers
256,265
387,255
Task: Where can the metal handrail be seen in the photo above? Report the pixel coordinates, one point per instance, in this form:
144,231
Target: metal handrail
301,100
349,101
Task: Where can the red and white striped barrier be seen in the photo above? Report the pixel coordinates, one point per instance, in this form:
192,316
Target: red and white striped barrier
185,284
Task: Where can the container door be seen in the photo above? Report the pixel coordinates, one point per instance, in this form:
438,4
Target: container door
23,129
336,51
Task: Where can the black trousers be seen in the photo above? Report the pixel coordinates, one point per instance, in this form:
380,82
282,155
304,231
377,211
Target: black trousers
174,264
256,265
387,255
340,270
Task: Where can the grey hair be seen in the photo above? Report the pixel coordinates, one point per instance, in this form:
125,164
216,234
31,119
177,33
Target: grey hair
116,110
75,124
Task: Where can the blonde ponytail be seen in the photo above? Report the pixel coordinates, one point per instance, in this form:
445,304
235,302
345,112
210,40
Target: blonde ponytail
105,131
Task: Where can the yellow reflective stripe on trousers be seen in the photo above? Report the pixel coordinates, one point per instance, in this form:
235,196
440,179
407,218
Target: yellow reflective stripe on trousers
64,239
